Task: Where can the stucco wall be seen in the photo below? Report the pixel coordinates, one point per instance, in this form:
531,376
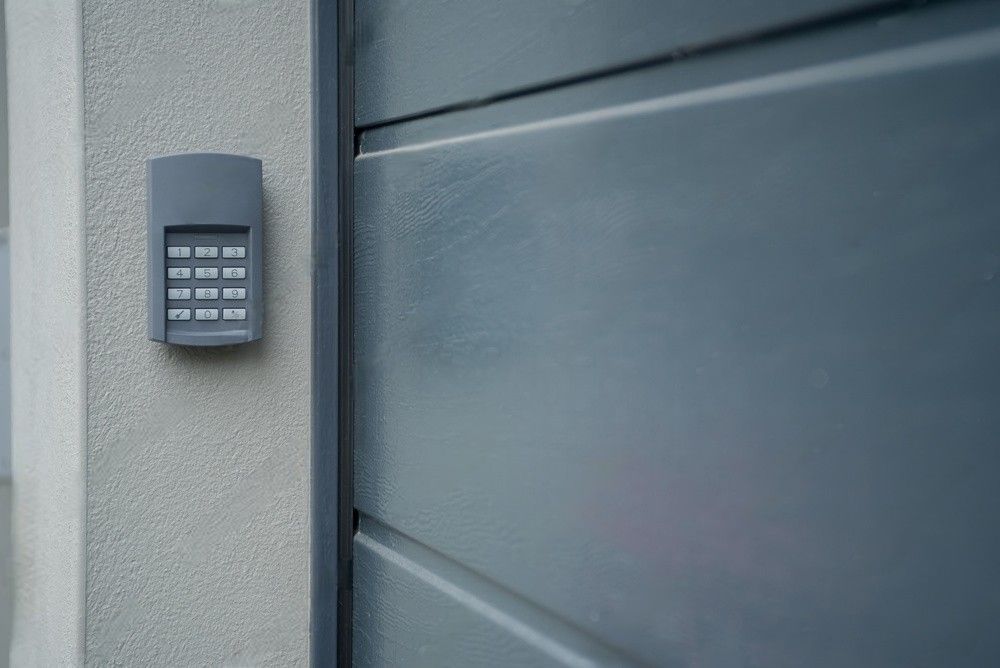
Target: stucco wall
47,329
6,546
197,466
196,461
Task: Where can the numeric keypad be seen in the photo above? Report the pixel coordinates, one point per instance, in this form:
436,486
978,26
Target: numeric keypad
211,282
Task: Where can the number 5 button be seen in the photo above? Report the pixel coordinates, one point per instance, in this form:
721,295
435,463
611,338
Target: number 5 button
234,272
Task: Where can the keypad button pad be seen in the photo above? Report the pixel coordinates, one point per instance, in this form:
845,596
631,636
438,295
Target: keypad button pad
207,288
206,273
206,252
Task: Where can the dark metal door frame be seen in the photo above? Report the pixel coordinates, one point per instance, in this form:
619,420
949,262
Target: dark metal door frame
332,320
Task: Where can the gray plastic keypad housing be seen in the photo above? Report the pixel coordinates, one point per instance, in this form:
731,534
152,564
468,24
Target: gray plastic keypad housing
204,281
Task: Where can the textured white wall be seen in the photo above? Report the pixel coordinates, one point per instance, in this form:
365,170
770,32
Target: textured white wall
197,461
47,329
6,546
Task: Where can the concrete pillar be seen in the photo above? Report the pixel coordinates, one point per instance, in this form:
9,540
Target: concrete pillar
161,494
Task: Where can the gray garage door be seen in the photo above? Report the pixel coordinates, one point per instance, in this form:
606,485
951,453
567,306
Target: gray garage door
677,333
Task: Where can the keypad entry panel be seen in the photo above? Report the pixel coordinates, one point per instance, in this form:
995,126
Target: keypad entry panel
216,291
204,249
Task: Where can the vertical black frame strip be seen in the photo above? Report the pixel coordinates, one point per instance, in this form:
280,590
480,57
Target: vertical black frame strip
332,500
345,332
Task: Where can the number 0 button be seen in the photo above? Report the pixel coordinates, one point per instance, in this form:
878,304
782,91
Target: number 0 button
234,272
206,314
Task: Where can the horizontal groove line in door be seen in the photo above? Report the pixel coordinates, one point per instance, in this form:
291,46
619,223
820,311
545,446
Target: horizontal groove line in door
426,58
914,40
540,628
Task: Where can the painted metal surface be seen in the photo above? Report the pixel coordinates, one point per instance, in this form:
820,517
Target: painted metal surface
430,611
331,502
416,56
700,368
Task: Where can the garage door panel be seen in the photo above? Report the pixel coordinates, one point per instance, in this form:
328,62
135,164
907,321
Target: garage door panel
711,375
417,56
418,608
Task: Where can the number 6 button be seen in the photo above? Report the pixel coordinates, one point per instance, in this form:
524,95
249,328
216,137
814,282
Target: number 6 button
234,272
